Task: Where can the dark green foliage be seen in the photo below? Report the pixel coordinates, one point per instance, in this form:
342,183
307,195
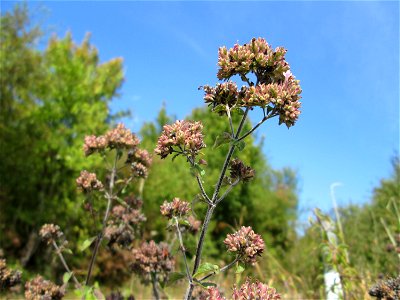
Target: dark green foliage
50,100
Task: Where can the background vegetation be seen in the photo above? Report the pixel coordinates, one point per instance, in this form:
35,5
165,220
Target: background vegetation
51,98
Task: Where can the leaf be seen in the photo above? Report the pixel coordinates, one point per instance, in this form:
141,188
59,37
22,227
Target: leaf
184,222
225,138
206,268
66,277
240,145
67,250
174,277
205,285
87,243
239,269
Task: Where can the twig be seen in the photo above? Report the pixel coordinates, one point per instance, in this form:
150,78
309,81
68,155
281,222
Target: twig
183,250
227,191
59,253
100,236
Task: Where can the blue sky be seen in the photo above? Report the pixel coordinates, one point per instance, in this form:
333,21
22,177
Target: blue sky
346,55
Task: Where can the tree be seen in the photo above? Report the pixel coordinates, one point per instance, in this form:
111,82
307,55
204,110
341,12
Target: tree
50,100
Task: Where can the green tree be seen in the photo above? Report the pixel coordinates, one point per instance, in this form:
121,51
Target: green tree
50,100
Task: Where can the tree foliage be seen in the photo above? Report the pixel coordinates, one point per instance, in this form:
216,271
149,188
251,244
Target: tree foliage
50,100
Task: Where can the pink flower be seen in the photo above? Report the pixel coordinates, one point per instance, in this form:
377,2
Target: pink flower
255,291
247,244
182,137
88,182
176,208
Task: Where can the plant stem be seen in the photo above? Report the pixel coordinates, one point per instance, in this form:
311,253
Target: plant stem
154,284
58,251
100,236
212,206
258,125
183,250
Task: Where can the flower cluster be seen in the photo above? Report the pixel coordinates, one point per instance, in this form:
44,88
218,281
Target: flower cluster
176,208
120,137
40,289
222,95
284,97
257,57
151,258
194,224
247,244
239,171
88,182
182,137
256,290
213,293
387,289
140,160
50,233
8,277
122,225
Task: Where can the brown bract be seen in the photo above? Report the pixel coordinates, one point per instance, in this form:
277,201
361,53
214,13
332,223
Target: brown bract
41,289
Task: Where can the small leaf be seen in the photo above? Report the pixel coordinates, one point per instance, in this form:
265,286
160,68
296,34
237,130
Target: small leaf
206,268
184,222
87,243
205,285
174,277
67,250
239,269
225,138
66,277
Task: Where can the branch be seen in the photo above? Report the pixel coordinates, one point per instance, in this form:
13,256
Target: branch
58,251
100,236
227,191
273,114
183,250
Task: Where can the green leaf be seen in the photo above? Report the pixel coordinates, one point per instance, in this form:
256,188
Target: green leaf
225,138
67,250
239,269
206,268
205,285
239,145
87,243
184,222
66,277
174,277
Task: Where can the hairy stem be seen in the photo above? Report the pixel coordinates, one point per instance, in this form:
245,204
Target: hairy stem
273,114
183,250
154,285
211,207
100,236
58,251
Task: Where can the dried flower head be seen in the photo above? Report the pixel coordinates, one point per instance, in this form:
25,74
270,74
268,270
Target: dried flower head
176,208
121,138
140,161
123,225
133,202
255,291
94,144
223,95
182,137
50,233
386,289
194,224
239,171
8,277
247,244
40,289
88,182
152,258
257,57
